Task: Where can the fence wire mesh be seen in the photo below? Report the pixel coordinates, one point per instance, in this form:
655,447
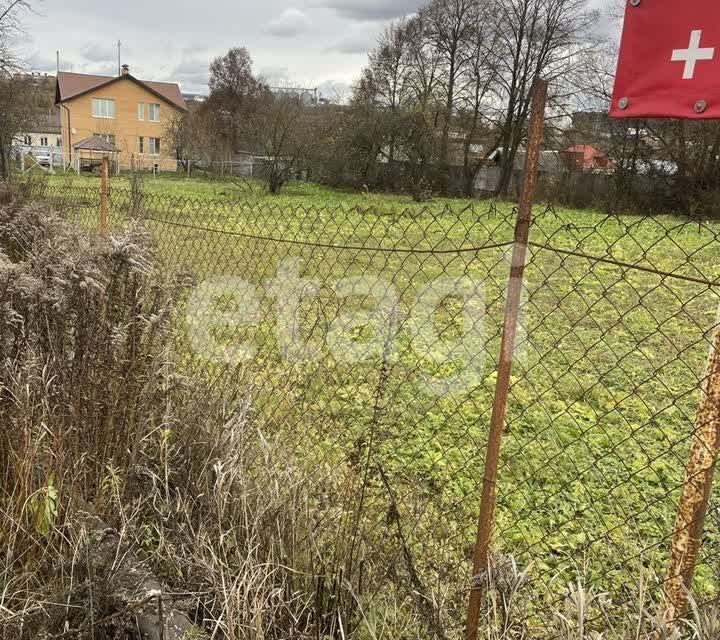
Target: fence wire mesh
368,340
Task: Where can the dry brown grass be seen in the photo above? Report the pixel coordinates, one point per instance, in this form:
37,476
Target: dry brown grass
239,527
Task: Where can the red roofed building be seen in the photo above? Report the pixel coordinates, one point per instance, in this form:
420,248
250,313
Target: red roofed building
585,157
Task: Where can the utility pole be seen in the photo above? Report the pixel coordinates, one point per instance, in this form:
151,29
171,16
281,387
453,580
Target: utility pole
57,54
119,64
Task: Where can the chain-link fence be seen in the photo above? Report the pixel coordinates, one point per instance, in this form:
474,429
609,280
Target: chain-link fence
367,338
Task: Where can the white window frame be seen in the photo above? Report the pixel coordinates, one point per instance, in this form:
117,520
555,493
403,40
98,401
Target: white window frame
27,141
46,141
153,106
141,111
58,142
103,108
154,146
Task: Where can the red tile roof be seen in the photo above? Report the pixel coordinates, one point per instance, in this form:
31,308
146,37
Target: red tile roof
72,85
585,156
588,151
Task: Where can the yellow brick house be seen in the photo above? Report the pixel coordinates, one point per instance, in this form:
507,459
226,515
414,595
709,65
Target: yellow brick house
132,115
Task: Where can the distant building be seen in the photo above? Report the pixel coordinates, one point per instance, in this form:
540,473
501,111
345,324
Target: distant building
487,179
585,157
44,131
89,153
307,96
194,97
42,140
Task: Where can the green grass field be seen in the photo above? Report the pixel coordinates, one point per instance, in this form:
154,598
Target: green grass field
232,190
605,382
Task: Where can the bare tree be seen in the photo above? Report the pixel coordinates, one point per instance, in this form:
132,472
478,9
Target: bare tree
462,70
419,145
387,81
234,92
425,64
395,109
18,104
448,26
17,96
476,81
198,135
11,12
535,38
283,133
362,131
176,131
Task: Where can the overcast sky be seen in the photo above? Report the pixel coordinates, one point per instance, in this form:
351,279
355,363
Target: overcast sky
305,42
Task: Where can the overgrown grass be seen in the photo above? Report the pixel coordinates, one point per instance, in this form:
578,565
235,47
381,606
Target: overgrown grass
599,416
248,190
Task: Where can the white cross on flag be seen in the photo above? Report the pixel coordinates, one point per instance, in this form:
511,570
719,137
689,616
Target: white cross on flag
669,64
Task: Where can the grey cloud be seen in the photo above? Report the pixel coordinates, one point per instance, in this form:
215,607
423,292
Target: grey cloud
99,53
42,63
359,40
336,91
171,40
373,10
352,46
275,75
195,50
191,73
191,68
290,23
95,68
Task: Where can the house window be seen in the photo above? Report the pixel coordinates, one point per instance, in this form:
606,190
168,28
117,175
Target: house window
43,141
102,108
27,140
58,142
108,137
141,145
141,111
154,146
154,112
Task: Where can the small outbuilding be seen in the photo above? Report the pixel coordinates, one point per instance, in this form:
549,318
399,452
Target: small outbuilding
88,154
585,157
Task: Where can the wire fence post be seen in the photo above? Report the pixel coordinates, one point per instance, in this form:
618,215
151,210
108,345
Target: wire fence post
104,192
695,496
502,385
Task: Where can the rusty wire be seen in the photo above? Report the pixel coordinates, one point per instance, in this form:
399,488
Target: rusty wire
616,321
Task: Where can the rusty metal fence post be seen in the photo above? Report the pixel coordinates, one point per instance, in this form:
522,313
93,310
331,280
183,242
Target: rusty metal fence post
104,195
699,472
502,385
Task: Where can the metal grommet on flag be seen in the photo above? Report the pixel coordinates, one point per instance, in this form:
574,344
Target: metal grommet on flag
623,103
669,56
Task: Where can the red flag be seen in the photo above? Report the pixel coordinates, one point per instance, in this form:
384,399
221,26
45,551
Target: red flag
669,64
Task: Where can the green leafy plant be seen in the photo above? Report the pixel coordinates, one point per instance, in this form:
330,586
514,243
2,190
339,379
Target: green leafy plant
44,506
